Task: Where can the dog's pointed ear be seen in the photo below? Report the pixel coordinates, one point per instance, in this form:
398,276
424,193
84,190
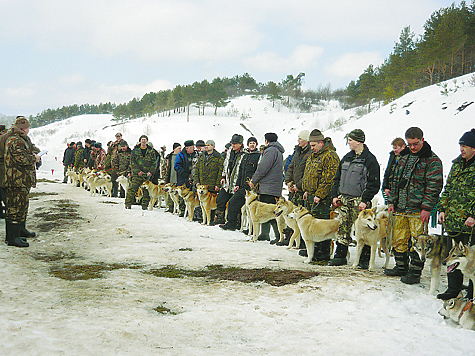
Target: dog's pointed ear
276,199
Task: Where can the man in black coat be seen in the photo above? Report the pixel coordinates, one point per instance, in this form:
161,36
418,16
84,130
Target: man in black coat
246,170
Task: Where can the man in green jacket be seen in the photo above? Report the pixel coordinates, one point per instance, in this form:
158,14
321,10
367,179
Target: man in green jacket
209,168
457,208
142,165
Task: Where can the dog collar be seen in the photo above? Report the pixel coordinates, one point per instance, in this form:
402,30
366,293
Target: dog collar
465,308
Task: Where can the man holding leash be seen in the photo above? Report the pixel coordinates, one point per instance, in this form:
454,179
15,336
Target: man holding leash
229,177
269,177
356,183
246,170
142,165
457,208
414,192
317,182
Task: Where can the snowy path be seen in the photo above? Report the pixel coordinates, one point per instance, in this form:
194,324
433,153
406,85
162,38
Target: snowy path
339,312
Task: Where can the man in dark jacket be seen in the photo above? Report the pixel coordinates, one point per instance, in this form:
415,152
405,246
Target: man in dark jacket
229,177
457,209
398,145
414,192
269,178
294,174
356,183
246,170
68,159
184,163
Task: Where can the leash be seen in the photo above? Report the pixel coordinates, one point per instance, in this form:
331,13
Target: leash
466,307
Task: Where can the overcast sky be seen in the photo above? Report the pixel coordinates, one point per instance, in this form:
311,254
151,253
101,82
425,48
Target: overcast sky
62,52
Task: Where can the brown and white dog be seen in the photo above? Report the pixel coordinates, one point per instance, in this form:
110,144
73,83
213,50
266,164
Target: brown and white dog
259,213
155,191
284,207
313,230
191,200
370,228
99,180
170,189
459,310
207,202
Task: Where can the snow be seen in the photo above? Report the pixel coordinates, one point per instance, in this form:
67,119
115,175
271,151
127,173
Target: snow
341,311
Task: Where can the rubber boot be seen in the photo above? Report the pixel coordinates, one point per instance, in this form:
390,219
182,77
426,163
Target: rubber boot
322,251
364,258
288,233
24,232
264,235
218,218
13,235
275,228
455,283
416,266
402,265
340,256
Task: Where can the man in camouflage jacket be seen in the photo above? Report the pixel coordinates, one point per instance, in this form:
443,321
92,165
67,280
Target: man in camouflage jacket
20,176
120,166
209,168
317,184
415,188
142,165
457,208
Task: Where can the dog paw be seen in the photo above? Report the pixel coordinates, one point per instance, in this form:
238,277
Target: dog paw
354,266
308,260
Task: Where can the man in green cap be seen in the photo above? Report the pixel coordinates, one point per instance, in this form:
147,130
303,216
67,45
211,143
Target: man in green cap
356,183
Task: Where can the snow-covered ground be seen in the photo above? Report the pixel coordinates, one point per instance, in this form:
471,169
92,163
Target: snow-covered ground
340,311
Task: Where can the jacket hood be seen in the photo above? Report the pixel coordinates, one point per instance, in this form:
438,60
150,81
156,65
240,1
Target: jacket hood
276,145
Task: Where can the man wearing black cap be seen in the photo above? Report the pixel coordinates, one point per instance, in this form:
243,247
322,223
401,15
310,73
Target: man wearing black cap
457,208
246,169
269,178
229,177
356,183
184,164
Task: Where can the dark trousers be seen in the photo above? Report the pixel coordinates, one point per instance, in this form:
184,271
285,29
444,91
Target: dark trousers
235,204
222,199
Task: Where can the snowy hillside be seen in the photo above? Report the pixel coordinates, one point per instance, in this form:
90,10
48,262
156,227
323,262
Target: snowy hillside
438,115
51,305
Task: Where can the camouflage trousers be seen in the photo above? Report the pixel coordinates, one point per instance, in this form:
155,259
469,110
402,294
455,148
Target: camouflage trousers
17,204
348,213
405,227
134,185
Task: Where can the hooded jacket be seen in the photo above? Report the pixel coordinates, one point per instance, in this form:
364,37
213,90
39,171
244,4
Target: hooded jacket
269,170
297,165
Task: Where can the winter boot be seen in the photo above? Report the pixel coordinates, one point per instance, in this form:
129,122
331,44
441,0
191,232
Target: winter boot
264,235
364,258
275,228
402,265
24,232
322,251
288,234
416,266
455,283
228,226
13,235
218,218
340,256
